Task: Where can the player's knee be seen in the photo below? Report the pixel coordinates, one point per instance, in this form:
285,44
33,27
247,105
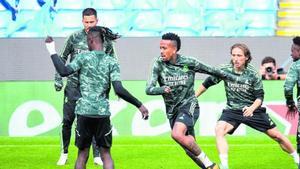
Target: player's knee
66,123
219,130
277,137
176,136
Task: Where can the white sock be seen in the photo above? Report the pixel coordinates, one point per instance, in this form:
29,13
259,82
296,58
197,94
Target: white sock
224,160
204,159
295,157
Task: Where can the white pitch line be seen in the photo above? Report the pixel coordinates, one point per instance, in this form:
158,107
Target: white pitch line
143,145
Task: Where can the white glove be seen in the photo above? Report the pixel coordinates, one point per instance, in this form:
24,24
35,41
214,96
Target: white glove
50,45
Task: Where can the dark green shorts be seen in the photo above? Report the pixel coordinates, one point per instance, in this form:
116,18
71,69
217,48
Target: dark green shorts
259,121
187,114
88,127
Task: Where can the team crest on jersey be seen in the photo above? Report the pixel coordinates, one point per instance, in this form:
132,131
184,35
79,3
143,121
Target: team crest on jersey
185,68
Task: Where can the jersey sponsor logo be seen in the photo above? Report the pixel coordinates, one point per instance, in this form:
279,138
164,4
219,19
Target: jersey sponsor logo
176,80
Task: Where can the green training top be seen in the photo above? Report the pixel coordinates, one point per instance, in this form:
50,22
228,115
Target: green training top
292,78
180,78
77,43
97,71
239,94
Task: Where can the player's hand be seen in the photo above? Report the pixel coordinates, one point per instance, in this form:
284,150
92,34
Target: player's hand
248,111
292,109
58,85
144,111
50,45
167,89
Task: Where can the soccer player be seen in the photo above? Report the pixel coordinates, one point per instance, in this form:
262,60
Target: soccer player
97,71
175,75
243,104
293,78
77,43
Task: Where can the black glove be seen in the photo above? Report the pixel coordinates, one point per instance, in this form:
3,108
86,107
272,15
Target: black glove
292,109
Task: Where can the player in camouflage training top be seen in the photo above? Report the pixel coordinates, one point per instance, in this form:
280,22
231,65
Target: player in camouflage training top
77,43
97,71
243,104
175,75
293,78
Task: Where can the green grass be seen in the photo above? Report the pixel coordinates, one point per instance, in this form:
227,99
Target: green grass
145,153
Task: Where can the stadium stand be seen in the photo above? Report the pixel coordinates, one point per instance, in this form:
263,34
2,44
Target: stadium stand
153,17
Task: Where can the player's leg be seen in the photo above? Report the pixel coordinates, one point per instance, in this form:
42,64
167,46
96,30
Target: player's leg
298,137
263,123
188,142
183,133
82,158
222,128
103,137
107,159
96,153
84,133
68,119
228,123
284,143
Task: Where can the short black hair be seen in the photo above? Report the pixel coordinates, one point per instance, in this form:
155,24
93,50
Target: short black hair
96,32
296,40
172,37
268,59
89,12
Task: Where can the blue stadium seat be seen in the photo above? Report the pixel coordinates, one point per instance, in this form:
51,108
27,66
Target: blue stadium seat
3,32
260,19
5,18
140,33
183,20
145,4
220,4
72,4
113,18
217,19
29,5
68,18
148,20
181,31
26,34
112,4
260,4
259,32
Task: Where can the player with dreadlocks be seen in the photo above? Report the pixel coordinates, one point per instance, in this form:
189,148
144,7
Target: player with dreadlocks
75,44
97,71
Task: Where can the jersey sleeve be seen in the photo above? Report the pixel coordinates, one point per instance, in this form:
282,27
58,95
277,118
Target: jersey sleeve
258,87
77,62
290,81
115,71
151,88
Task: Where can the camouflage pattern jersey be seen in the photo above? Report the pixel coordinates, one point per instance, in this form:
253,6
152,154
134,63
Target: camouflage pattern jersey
77,43
292,78
239,94
180,78
97,71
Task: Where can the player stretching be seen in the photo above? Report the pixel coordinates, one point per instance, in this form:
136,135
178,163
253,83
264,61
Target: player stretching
243,104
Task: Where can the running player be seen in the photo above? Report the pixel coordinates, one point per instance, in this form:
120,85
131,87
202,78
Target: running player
175,75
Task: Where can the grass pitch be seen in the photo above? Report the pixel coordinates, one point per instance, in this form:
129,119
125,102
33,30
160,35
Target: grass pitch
251,152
